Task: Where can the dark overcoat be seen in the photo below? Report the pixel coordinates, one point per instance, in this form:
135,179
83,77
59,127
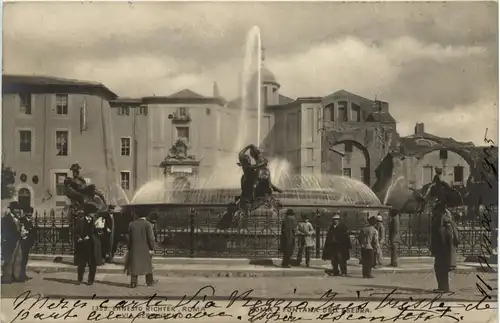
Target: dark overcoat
88,245
287,238
140,243
444,242
11,247
337,238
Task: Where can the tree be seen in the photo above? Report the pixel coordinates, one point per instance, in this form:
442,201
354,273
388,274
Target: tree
8,180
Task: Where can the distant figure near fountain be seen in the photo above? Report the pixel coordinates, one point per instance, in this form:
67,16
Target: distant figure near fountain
256,188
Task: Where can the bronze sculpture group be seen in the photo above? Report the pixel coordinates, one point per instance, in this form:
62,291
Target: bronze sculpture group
256,188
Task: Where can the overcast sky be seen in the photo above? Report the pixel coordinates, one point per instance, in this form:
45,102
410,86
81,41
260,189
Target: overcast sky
433,62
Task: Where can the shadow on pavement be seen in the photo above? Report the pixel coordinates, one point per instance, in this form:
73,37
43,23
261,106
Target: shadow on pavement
62,280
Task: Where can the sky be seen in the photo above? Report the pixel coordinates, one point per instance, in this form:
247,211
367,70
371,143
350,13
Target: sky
435,63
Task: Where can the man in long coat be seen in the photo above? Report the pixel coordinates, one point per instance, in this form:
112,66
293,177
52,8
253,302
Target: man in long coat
305,232
337,246
141,246
368,240
394,238
444,242
287,238
11,246
88,246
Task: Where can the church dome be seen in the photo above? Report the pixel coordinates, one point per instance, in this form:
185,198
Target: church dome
267,76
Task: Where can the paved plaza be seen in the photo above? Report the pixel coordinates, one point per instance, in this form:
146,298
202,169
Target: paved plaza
63,284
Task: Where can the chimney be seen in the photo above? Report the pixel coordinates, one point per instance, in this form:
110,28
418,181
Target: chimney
216,91
419,129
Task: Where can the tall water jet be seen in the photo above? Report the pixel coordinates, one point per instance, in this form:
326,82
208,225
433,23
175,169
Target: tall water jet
252,60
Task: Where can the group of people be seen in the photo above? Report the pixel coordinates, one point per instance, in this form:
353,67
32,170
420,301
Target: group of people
371,238
337,244
18,236
89,252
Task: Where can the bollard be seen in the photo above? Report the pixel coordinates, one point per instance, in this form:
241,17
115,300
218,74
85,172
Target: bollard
317,226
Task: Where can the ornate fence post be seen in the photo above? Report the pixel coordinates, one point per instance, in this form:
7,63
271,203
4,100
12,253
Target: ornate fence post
191,232
317,225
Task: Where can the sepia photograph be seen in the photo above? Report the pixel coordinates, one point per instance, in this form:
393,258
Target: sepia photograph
253,161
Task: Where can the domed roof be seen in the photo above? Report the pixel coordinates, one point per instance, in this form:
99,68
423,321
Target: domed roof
267,76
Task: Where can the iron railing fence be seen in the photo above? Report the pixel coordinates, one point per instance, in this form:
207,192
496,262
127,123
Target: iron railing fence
195,234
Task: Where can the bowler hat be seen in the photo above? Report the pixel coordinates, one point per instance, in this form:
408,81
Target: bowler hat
290,212
14,205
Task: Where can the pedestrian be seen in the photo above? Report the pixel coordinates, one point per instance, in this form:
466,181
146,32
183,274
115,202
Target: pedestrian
141,246
381,240
88,245
305,233
337,246
368,240
11,247
27,240
444,241
103,232
394,238
287,238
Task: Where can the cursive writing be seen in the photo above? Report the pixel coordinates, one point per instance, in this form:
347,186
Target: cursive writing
29,307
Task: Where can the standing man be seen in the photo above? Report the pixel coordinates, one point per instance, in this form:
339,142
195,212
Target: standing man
28,240
141,246
305,231
88,246
368,240
337,246
444,241
11,247
287,238
381,240
394,238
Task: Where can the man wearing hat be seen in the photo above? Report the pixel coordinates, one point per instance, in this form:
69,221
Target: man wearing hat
381,235
305,231
368,240
88,249
337,246
11,247
287,238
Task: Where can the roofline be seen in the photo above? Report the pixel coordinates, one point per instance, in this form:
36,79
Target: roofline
10,86
299,100
71,86
167,100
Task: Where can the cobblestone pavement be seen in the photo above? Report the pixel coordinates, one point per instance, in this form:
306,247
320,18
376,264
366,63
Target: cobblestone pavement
63,284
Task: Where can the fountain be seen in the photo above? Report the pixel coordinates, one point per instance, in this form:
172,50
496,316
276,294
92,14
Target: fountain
195,210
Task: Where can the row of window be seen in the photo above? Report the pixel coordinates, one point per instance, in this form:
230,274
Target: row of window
342,113
125,110
61,142
25,105
458,173
125,142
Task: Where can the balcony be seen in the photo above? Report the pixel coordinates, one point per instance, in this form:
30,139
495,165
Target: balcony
181,116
